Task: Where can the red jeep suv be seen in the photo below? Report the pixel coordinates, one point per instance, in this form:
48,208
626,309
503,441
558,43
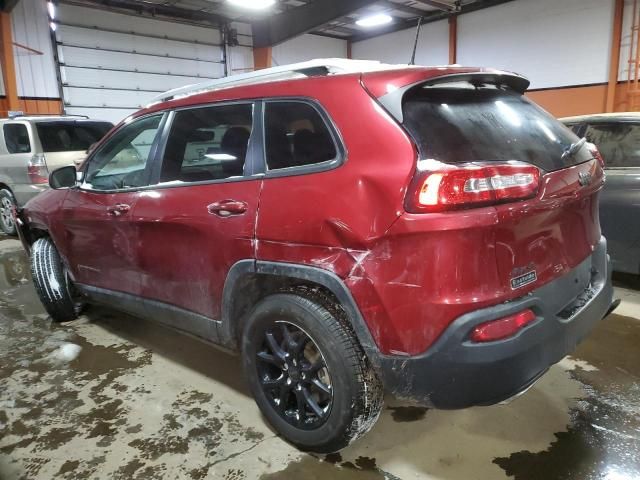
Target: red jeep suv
351,228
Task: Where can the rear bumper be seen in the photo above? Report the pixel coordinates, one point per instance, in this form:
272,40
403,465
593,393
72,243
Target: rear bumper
456,373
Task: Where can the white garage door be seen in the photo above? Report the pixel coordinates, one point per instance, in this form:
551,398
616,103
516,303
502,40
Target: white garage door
112,64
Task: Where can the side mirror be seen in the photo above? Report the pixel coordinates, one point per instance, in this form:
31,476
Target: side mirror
64,177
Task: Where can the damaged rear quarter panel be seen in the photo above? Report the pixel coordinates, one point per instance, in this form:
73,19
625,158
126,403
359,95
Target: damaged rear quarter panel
332,219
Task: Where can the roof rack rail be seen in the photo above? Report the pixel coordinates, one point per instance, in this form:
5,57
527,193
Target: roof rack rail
22,115
312,68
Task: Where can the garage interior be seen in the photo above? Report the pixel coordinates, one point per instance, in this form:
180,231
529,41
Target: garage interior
112,396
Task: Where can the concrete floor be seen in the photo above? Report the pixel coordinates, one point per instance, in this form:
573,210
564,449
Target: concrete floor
110,396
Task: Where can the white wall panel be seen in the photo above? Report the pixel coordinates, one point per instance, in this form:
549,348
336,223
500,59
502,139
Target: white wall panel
552,42
433,46
307,47
35,74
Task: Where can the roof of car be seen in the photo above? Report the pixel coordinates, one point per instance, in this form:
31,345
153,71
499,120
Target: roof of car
600,117
309,78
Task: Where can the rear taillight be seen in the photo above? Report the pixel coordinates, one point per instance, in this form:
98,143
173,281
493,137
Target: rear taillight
596,154
448,187
503,327
37,169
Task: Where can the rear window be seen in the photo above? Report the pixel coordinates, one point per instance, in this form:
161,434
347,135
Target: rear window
619,143
70,136
484,124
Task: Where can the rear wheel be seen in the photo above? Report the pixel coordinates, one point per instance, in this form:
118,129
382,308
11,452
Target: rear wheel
54,288
308,373
7,203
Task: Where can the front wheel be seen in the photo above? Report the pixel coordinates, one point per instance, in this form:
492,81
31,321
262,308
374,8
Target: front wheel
308,374
53,286
7,203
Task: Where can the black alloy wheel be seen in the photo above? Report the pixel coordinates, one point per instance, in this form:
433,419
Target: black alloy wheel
294,376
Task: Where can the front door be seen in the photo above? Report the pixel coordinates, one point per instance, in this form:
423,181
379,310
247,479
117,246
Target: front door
200,219
101,240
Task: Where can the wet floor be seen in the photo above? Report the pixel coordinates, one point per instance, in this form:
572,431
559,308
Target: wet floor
111,396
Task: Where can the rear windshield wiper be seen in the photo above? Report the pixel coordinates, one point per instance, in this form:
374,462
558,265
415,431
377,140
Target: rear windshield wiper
573,148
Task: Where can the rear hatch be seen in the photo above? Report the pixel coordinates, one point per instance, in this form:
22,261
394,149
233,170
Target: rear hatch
538,238
65,142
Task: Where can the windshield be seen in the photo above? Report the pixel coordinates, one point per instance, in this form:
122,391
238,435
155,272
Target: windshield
68,136
469,124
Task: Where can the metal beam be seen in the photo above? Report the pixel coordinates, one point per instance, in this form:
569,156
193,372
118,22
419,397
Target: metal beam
428,18
153,10
439,5
8,5
401,7
279,28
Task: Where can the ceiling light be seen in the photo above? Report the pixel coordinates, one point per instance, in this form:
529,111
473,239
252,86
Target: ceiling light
253,4
374,20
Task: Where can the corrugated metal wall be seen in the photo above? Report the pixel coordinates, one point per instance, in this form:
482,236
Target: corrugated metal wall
306,47
433,46
35,71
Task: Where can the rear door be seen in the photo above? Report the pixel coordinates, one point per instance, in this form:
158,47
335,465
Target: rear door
619,144
199,218
543,237
101,241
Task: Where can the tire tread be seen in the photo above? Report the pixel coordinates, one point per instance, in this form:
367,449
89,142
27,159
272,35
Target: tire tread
46,267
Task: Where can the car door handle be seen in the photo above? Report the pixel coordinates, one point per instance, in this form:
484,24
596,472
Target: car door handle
227,208
119,209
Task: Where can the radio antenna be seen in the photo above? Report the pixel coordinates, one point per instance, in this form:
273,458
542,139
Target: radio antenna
415,44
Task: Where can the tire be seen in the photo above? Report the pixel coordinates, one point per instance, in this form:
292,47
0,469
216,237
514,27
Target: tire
7,203
350,400
52,284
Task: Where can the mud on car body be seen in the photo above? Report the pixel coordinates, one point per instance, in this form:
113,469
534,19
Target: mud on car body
352,229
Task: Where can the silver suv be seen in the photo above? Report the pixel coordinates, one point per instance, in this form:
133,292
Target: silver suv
31,147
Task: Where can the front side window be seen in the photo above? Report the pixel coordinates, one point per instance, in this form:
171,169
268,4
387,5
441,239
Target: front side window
68,136
208,143
122,161
16,137
296,135
619,143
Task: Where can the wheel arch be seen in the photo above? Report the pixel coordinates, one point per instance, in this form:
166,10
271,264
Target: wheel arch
249,281
5,186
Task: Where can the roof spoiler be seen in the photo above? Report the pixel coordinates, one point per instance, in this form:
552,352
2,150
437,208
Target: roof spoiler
392,101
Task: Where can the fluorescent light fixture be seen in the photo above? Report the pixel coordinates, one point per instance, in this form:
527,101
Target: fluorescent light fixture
253,4
374,20
52,10
53,26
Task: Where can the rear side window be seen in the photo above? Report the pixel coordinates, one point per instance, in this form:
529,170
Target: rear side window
486,124
296,135
70,136
619,143
16,137
207,144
